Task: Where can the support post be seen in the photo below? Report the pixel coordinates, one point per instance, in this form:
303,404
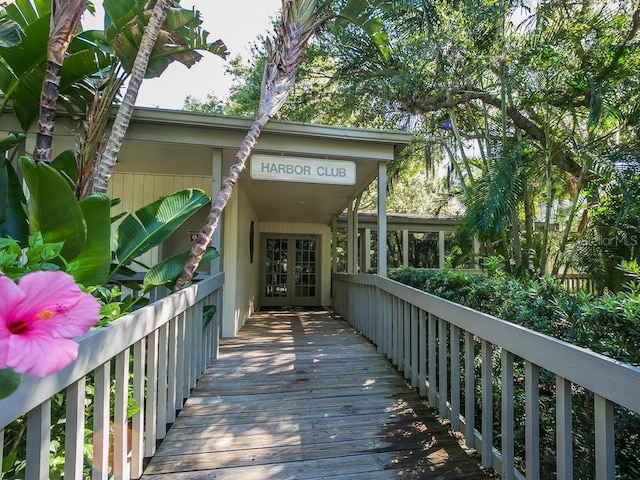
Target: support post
382,219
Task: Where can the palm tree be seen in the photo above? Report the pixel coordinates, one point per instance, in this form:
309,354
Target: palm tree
65,16
107,162
285,53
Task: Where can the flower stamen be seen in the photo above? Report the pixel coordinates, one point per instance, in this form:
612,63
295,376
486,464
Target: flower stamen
45,315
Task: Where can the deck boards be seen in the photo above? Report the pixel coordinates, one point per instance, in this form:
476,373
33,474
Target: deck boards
299,395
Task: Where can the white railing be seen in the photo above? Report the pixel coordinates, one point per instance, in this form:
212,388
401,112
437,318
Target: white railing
439,344
155,354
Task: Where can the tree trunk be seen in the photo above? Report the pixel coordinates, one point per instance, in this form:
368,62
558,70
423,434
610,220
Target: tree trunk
221,200
65,16
123,117
284,57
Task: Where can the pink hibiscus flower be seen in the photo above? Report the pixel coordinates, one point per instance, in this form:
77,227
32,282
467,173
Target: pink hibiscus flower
39,317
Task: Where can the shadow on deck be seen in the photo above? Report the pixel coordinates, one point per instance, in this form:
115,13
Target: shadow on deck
299,395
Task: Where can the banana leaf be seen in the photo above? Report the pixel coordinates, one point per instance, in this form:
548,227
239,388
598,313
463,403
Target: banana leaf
152,224
6,144
168,270
53,208
95,259
15,225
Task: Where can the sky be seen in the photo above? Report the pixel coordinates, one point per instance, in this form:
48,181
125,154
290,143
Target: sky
236,22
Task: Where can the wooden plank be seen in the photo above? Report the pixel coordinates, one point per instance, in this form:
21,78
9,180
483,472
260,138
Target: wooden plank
302,396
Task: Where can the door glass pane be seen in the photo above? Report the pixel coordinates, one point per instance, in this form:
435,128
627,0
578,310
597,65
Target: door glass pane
276,262
305,268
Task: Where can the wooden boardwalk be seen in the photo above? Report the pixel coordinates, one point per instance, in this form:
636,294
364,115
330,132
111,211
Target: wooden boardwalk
299,395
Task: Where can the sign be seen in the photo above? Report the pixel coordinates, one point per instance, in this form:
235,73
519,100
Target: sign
303,170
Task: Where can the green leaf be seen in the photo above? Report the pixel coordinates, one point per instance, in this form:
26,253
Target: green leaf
15,225
66,164
9,382
167,271
53,208
95,259
10,33
208,311
152,224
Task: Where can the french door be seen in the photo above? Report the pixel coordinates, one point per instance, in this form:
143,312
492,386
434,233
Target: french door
290,270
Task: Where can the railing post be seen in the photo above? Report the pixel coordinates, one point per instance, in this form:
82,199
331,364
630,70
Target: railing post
469,390
431,352
163,384
605,439
506,381
422,356
564,437
120,423
415,337
38,438
455,378
532,420
74,430
101,415
487,404
150,431
137,422
406,344
442,364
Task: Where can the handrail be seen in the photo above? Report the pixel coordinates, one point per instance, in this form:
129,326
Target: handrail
169,349
417,331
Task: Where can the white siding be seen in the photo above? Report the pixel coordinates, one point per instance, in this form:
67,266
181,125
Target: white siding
138,189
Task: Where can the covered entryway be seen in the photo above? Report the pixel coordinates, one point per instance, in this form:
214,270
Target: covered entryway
290,273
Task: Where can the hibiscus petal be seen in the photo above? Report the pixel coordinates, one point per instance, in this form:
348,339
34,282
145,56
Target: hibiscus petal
40,354
11,296
63,310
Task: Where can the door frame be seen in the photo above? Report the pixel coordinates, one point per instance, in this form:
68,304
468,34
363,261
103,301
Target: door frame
290,299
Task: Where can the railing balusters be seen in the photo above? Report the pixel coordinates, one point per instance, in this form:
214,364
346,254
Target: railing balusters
389,325
564,437
506,382
137,420
74,430
38,438
151,412
414,338
163,387
422,357
455,378
406,343
487,404
399,319
442,364
180,361
605,439
120,424
174,372
532,420
380,343
432,365
469,390
101,416
404,313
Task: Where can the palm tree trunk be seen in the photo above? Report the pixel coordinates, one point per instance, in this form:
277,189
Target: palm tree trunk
65,16
125,111
285,54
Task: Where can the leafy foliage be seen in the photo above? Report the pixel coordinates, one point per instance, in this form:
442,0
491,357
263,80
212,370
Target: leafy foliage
609,325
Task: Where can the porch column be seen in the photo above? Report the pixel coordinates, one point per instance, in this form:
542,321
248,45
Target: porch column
441,249
382,219
366,250
334,245
405,248
351,238
476,251
216,240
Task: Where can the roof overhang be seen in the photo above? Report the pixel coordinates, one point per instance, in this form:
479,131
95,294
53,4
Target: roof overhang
173,142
